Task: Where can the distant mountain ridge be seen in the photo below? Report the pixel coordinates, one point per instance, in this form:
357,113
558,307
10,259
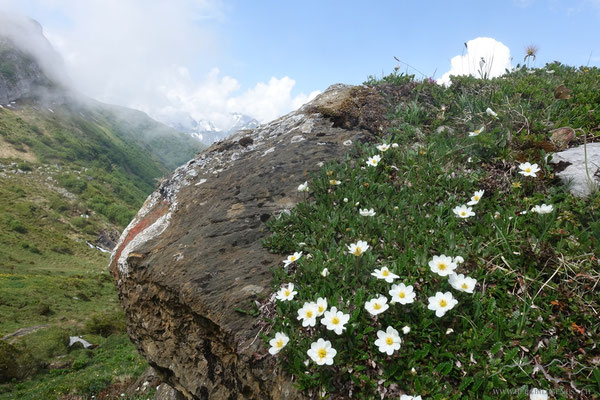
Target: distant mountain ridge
205,131
44,121
32,75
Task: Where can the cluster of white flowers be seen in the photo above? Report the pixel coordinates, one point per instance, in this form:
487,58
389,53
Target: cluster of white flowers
464,211
444,265
334,320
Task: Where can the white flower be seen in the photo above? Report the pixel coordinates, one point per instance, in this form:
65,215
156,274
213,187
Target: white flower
462,283
463,211
442,265
321,306
367,213
441,302
459,260
384,273
358,248
335,320
407,397
528,169
383,147
345,199
356,204
538,394
476,197
394,145
303,187
476,132
491,113
292,258
334,182
449,331
321,352
286,293
373,161
402,294
325,272
543,209
388,341
278,343
406,330
377,305
308,314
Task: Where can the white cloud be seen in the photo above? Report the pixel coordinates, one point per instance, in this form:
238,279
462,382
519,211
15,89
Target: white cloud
485,57
158,56
216,97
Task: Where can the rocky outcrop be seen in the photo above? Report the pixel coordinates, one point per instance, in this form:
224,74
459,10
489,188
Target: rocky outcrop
193,254
581,179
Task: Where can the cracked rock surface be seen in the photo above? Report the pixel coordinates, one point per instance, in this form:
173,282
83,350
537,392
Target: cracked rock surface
193,253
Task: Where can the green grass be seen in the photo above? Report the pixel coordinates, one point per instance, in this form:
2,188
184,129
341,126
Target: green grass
532,320
85,372
49,276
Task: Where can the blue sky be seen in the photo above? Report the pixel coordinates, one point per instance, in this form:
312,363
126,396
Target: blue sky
208,58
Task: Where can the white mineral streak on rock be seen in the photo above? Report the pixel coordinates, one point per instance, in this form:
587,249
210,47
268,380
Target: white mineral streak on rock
146,207
201,182
150,232
270,150
297,138
347,142
307,126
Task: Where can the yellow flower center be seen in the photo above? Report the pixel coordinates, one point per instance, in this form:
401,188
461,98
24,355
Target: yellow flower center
385,272
321,308
335,320
357,251
401,295
292,258
443,303
476,198
527,169
442,266
279,343
464,286
389,340
287,293
463,213
309,314
377,306
322,353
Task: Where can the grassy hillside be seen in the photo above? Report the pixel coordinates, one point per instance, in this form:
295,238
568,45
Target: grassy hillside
54,284
531,320
73,172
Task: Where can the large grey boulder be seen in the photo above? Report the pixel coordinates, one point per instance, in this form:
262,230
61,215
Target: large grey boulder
581,182
193,253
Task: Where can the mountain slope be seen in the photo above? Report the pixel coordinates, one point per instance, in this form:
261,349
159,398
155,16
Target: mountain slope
73,172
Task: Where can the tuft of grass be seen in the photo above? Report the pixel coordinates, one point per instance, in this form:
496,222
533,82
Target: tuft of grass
532,319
